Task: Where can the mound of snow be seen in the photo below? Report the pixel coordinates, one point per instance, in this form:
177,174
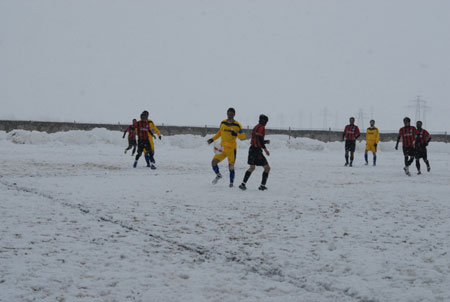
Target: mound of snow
188,141
2,135
77,137
305,144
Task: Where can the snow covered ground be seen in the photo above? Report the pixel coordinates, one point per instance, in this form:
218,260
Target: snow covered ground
78,223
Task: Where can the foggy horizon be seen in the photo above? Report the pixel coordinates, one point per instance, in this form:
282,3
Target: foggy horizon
307,65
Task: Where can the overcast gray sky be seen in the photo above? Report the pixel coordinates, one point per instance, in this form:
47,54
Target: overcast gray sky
305,63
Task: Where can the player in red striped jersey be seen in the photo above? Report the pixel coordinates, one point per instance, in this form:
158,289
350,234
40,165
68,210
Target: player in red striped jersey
255,153
131,137
408,135
350,135
423,138
144,133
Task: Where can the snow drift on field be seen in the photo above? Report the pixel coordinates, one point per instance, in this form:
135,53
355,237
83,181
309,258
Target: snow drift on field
104,136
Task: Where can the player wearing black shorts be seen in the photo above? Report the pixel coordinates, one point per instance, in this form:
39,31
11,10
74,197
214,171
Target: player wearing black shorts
408,135
350,135
131,137
255,153
143,132
423,138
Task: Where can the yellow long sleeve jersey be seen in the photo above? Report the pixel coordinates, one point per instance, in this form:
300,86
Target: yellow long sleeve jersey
152,127
226,131
372,135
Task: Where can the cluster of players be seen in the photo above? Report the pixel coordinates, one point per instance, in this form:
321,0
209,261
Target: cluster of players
145,131
414,141
229,131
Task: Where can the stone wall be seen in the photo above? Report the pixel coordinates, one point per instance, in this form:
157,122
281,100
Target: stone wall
52,127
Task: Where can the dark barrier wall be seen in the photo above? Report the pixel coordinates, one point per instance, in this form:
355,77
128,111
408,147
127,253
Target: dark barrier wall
324,136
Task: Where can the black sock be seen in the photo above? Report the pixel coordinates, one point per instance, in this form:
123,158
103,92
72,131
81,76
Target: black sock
247,176
417,165
346,159
264,178
152,159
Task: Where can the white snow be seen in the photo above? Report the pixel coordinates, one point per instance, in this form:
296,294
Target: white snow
78,223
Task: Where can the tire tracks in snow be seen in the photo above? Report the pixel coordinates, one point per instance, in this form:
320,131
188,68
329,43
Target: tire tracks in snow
203,254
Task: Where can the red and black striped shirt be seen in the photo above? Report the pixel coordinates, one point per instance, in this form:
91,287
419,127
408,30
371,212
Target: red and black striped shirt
142,129
351,132
131,132
422,137
258,134
408,135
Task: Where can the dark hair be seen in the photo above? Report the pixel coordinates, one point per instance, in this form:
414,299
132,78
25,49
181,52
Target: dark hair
407,119
263,119
232,110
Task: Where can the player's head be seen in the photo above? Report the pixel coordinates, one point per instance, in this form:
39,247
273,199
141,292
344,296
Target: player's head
352,120
134,121
231,113
144,115
263,119
419,124
372,123
407,121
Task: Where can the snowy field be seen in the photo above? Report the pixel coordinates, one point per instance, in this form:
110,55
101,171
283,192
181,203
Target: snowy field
78,223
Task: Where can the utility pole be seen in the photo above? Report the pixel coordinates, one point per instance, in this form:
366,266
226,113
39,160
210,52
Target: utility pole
300,119
336,120
360,118
325,117
421,108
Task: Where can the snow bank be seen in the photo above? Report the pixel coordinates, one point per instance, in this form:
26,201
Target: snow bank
2,135
77,137
187,141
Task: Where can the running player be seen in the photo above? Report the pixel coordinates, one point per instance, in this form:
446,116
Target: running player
422,140
229,131
408,135
255,153
150,153
131,137
144,134
350,135
372,139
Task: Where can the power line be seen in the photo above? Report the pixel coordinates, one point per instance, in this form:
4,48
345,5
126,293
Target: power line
421,109
360,118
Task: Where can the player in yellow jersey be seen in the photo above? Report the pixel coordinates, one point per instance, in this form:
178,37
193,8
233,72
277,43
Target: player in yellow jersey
149,154
372,139
229,131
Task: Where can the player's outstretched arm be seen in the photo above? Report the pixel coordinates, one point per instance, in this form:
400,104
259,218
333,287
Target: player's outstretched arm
398,140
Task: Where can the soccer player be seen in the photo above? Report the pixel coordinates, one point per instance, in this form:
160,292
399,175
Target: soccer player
408,135
150,153
372,139
422,140
350,135
255,153
229,131
144,134
131,137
